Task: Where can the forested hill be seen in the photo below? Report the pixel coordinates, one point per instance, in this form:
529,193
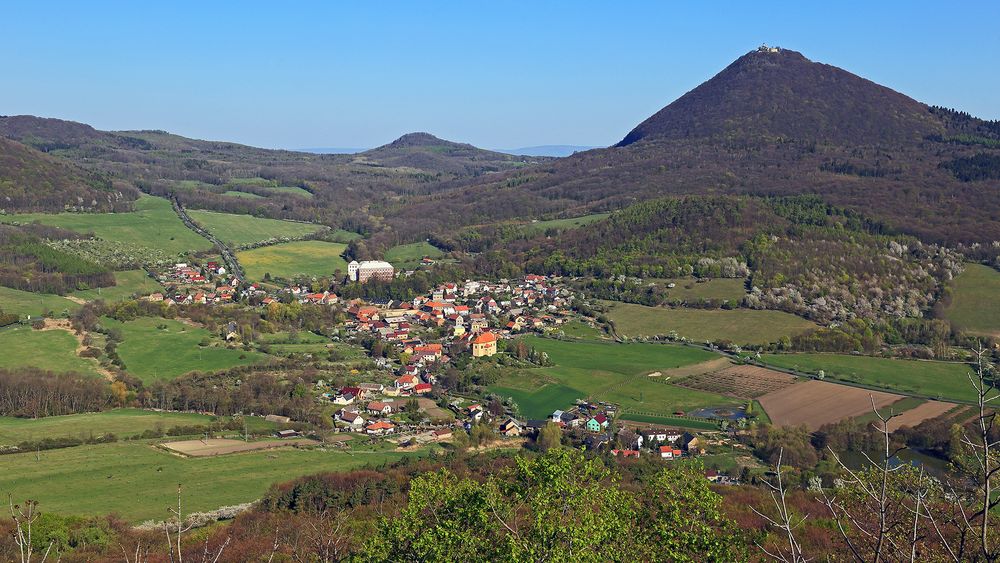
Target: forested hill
427,152
782,94
33,181
771,123
336,189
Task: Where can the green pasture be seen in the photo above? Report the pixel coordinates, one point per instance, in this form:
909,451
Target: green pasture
153,224
561,224
53,350
34,304
692,290
151,353
740,326
241,230
138,481
975,302
935,380
409,255
127,284
309,258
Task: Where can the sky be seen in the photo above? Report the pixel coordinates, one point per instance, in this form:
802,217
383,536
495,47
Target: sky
495,74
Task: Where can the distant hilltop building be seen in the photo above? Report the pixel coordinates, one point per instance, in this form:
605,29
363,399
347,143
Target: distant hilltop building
368,269
765,49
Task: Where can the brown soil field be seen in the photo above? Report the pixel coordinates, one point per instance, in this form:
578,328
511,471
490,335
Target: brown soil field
697,369
815,403
223,446
913,417
745,382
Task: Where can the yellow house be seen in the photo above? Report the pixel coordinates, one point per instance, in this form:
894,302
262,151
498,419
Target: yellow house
484,345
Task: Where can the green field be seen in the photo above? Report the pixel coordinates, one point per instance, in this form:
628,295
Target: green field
244,195
409,255
690,289
975,303
292,190
741,326
123,423
241,230
127,284
936,380
305,257
672,421
340,235
606,371
34,304
571,223
53,350
151,353
139,482
578,329
153,224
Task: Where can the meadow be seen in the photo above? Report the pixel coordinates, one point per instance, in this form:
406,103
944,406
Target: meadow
291,190
53,350
409,255
241,230
975,303
123,423
740,326
607,371
153,224
562,224
127,284
34,304
690,289
243,195
936,380
138,481
310,258
151,353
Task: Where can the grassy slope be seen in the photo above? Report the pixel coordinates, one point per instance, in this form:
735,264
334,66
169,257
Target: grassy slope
975,304
308,257
34,304
742,326
688,289
127,283
293,190
244,195
121,422
571,223
139,482
153,224
609,372
240,230
410,254
945,380
150,353
53,350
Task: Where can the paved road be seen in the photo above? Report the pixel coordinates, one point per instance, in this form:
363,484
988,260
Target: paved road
228,256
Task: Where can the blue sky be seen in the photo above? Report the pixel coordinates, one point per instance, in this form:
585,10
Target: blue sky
496,74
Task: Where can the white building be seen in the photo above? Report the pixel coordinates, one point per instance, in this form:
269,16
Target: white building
368,269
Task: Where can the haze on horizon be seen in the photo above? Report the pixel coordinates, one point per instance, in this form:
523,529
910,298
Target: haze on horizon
360,75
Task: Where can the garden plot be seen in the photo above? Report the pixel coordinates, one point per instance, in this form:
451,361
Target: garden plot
746,382
223,446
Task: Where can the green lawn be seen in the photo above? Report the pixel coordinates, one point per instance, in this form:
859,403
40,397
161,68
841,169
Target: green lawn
127,284
975,303
691,290
243,195
571,223
409,255
34,304
293,190
53,350
301,258
151,353
579,329
153,224
121,422
606,371
741,326
240,230
938,380
139,482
